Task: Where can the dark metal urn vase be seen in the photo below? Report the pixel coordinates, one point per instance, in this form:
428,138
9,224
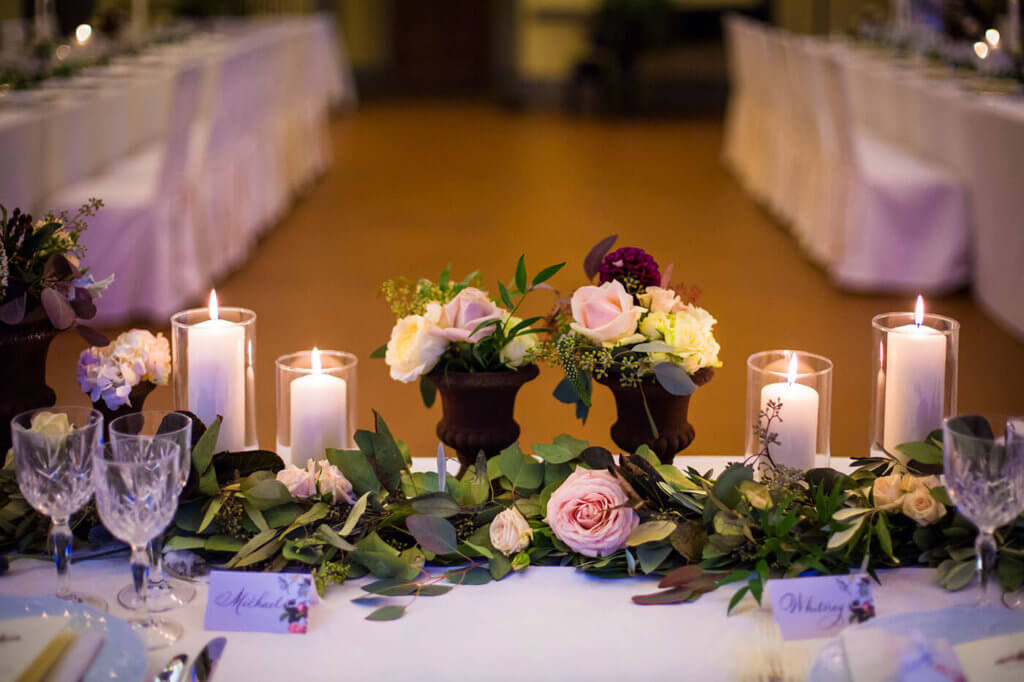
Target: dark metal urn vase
478,410
23,349
136,399
669,413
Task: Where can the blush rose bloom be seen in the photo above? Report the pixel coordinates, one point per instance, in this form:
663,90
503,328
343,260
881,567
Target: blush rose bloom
510,532
332,482
659,300
605,314
888,491
461,316
301,483
922,507
586,512
414,348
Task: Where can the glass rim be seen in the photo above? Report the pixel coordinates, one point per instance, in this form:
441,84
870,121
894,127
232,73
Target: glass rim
102,457
143,414
95,416
878,323
180,318
784,353
960,434
350,360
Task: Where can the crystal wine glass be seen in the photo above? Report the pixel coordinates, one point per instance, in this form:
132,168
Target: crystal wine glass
53,451
132,436
985,479
136,499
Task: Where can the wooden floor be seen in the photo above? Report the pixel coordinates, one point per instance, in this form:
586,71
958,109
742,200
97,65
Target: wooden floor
418,185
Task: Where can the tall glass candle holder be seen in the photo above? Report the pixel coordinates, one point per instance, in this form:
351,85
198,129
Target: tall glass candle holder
214,351
914,371
316,404
789,407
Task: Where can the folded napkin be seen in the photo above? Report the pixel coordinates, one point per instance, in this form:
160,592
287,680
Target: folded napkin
77,659
875,655
29,646
993,659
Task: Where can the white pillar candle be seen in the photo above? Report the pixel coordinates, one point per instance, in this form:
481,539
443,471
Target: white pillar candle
216,376
915,377
318,417
797,426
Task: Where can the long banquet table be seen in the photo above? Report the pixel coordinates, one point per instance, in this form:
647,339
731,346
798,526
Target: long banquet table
547,624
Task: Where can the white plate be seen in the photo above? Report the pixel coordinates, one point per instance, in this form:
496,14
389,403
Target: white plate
958,624
122,656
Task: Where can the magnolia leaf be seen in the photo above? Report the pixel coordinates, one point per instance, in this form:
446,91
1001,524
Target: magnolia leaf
57,308
592,261
848,513
925,453
354,515
433,534
356,468
651,531
268,493
328,534
436,504
554,454
202,459
839,539
391,612
676,595
674,379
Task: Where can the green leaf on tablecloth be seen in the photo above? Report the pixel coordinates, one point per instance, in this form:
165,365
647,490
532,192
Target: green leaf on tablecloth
181,542
478,575
473,549
521,471
211,511
223,543
267,494
736,598
255,515
756,586
650,531
436,504
955,575
391,612
1011,572
354,514
384,564
925,453
651,555
202,459
884,538
499,566
264,553
356,468
675,595
433,534
282,515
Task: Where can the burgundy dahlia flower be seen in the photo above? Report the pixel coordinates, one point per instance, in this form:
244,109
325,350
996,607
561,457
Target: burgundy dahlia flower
634,267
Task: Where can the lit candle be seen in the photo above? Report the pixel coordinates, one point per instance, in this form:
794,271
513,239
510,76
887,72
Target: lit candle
216,376
915,376
797,426
318,417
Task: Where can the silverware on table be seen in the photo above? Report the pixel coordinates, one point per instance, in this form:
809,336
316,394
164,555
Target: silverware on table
174,671
206,661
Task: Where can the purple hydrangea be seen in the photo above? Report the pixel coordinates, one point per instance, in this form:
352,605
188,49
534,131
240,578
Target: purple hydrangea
634,267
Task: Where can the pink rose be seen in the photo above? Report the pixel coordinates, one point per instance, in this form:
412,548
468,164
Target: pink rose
659,300
605,314
297,628
586,512
463,314
301,483
332,482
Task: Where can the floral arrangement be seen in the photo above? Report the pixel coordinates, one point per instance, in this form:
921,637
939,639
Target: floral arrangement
633,326
457,327
40,271
365,512
110,372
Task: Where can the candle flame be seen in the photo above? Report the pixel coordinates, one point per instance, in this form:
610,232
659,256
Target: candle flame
992,37
793,367
315,360
214,308
919,311
981,49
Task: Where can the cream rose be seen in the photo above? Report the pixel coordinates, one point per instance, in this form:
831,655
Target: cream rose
414,348
659,300
53,426
520,350
888,491
912,483
330,481
605,314
510,532
922,507
301,483
461,316
587,513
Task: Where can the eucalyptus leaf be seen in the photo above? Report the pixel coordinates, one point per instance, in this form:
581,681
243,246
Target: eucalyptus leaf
354,515
555,454
433,534
674,379
653,347
391,612
267,494
436,504
356,468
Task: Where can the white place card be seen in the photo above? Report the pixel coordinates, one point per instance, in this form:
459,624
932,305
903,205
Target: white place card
820,606
258,602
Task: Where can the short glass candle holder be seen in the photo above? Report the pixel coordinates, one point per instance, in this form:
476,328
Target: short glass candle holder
316,404
914,377
789,408
214,354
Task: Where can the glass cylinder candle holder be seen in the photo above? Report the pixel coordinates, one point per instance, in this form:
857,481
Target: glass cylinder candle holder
914,371
214,352
316,404
789,407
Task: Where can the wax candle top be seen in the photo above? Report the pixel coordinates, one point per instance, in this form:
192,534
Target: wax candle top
314,360
918,327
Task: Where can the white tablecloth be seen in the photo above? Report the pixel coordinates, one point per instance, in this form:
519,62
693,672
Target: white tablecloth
547,624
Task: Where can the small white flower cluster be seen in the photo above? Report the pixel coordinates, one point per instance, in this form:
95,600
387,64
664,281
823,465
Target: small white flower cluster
320,477
111,372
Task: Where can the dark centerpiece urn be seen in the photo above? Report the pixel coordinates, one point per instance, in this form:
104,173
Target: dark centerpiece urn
478,410
23,350
136,399
669,412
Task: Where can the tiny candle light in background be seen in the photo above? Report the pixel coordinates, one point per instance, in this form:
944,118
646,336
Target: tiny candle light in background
216,376
82,33
797,428
992,37
318,413
915,372
981,49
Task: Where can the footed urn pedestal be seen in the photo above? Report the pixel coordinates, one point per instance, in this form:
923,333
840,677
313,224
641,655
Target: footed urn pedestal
669,413
478,410
135,401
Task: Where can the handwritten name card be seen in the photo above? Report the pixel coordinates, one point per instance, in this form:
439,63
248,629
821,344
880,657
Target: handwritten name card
807,608
258,602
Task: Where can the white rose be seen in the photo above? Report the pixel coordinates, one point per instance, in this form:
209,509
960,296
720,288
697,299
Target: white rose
510,532
922,507
332,482
912,483
53,426
414,348
301,483
659,300
653,326
520,350
888,491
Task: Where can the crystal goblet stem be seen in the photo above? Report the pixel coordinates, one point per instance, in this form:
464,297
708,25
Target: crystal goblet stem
985,549
60,543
